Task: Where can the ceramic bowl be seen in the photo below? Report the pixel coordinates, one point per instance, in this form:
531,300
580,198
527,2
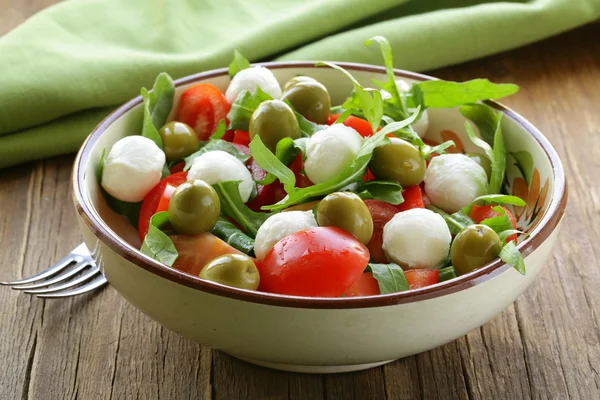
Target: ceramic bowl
324,335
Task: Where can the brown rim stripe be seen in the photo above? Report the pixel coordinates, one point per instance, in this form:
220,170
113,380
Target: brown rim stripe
107,236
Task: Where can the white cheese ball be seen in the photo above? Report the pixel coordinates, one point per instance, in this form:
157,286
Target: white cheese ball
132,168
453,181
249,78
331,151
279,226
422,124
220,166
417,238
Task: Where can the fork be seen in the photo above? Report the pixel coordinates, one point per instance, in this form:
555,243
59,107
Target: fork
61,279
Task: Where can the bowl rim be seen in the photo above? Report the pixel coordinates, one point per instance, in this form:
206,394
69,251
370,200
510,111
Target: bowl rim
103,232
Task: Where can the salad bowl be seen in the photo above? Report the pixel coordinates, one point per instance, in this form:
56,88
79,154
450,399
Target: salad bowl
324,335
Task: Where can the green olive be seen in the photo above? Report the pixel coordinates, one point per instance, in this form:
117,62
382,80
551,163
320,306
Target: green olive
297,79
398,161
273,120
179,140
237,270
473,247
194,208
483,161
310,99
347,211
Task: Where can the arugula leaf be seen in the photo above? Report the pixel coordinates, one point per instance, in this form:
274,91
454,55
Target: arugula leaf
509,232
390,85
101,166
456,222
242,108
157,106
498,161
388,191
445,274
270,163
478,142
212,145
234,237
239,63
353,173
510,255
157,244
233,206
427,150
286,150
343,116
307,128
390,277
499,223
495,199
220,132
484,117
446,94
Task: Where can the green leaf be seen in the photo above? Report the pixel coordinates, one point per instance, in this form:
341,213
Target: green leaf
510,255
499,223
498,161
509,232
478,142
234,237
242,108
220,132
390,278
307,128
239,63
165,171
233,206
446,94
212,145
427,150
524,162
101,166
343,116
456,222
388,191
270,163
390,85
484,117
495,199
445,274
286,151
353,173
157,107
157,244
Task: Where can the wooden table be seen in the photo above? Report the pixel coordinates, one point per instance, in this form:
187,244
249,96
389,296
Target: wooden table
545,346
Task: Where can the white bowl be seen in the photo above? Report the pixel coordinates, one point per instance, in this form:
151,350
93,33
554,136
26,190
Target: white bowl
323,335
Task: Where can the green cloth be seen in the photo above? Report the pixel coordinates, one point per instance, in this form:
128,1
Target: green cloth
69,65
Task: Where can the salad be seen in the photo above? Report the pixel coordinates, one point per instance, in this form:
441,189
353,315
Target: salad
275,189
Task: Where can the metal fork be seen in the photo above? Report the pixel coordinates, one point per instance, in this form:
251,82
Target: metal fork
73,275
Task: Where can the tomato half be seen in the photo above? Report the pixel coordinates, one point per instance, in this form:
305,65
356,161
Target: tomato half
365,285
202,107
297,166
412,198
358,124
418,278
158,197
197,250
177,168
241,137
479,213
381,212
317,262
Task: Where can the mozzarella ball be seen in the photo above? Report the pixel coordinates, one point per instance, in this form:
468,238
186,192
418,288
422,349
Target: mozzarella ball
331,151
132,168
250,78
453,181
422,124
279,226
417,238
219,166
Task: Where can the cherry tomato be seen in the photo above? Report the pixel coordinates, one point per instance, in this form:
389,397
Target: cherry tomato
381,212
317,262
202,107
241,137
297,166
159,196
365,285
177,168
418,278
197,250
412,198
368,176
358,124
479,213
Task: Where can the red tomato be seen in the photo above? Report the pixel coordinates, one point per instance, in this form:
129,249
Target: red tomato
358,124
197,250
177,168
202,107
381,212
154,199
317,262
265,194
418,278
412,198
479,213
228,136
365,285
368,176
297,166
241,137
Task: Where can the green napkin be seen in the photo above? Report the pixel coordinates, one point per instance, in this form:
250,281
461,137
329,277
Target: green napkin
65,68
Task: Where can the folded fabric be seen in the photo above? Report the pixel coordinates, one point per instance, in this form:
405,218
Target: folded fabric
66,67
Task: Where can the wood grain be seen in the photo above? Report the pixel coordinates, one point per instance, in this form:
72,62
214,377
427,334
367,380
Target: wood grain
545,346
